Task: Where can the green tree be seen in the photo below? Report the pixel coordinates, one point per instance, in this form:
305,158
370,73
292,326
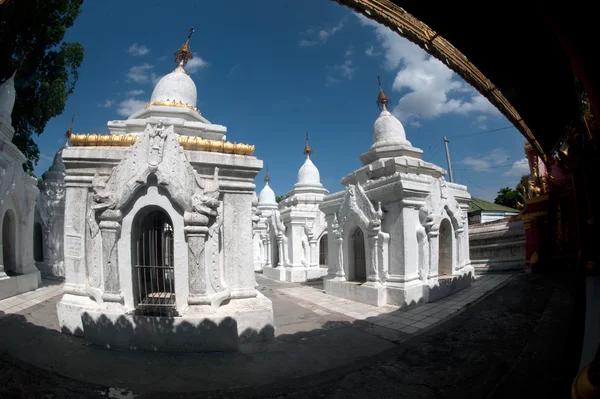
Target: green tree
280,198
31,33
507,197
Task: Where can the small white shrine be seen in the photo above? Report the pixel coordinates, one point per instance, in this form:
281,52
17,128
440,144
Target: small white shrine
158,228
18,193
50,218
299,228
398,232
263,233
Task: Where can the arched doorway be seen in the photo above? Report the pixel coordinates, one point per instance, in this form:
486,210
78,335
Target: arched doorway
9,242
323,251
38,242
445,249
358,262
153,262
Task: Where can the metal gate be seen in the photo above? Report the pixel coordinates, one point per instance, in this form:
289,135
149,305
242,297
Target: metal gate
360,265
154,272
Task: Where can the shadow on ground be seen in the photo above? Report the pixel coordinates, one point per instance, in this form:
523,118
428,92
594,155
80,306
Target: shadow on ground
523,340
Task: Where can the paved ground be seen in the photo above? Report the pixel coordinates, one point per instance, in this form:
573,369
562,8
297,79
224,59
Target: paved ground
518,341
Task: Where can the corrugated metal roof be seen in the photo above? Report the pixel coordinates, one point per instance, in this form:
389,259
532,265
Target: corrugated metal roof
477,204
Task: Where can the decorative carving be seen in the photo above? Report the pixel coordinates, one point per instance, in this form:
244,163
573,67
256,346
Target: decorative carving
357,204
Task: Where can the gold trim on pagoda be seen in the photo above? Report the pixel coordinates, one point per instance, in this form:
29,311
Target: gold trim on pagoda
173,103
189,143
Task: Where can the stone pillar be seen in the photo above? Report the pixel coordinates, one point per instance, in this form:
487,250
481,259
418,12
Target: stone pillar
433,253
280,259
295,232
459,237
237,239
314,253
373,259
110,228
28,218
196,230
336,257
76,198
267,247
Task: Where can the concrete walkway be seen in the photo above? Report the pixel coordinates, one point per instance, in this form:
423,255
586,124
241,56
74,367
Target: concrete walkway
314,344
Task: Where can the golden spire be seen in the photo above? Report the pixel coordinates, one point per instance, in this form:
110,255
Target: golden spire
267,178
382,99
184,54
307,149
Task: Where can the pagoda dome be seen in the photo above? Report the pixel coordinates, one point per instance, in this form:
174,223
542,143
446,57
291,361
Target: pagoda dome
388,129
176,87
267,196
309,174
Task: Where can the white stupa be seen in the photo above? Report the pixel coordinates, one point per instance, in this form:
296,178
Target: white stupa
174,102
304,225
398,226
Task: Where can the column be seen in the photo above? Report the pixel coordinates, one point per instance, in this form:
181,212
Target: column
196,230
76,207
268,250
31,193
237,241
314,253
338,260
458,233
280,246
373,260
433,253
110,229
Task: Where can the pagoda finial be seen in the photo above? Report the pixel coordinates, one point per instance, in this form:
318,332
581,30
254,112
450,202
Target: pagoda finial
184,54
267,178
382,99
307,149
69,132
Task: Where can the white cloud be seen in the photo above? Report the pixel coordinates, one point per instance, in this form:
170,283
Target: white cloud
346,69
519,168
496,157
348,53
432,89
141,73
234,69
129,106
133,93
370,51
162,58
137,50
330,81
107,103
322,36
195,64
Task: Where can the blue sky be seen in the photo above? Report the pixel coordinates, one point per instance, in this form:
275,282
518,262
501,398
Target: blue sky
271,71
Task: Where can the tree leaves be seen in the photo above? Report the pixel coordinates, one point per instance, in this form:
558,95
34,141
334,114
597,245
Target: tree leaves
32,32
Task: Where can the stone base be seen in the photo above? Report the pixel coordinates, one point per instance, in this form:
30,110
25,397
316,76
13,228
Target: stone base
497,265
406,294
449,285
400,294
15,285
199,329
375,295
294,274
55,269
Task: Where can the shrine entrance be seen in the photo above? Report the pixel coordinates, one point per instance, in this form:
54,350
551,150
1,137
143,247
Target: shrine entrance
153,261
9,242
358,264
445,249
323,251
